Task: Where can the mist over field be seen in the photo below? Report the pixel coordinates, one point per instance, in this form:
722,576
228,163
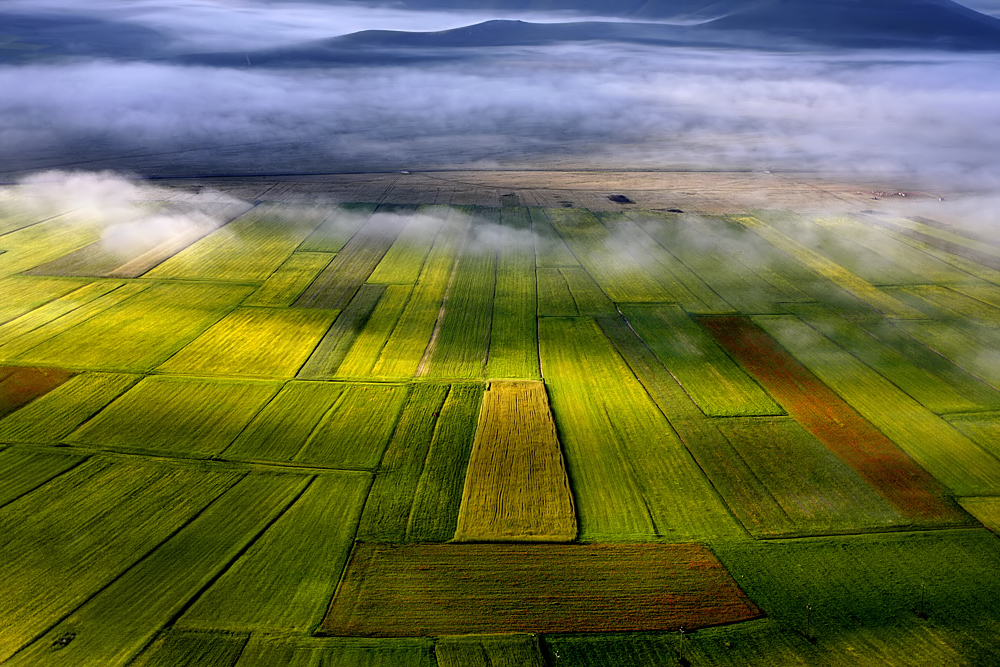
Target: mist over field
164,87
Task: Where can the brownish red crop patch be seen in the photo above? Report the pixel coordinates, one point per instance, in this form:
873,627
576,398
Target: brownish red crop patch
439,589
21,385
878,460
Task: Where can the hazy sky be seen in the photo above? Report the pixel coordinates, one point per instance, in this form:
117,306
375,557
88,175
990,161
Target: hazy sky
932,116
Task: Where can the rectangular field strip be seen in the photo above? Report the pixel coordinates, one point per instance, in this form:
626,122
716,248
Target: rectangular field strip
410,590
19,385
516,489
289,280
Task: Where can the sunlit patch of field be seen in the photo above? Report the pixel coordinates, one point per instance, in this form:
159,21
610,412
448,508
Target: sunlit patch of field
707,428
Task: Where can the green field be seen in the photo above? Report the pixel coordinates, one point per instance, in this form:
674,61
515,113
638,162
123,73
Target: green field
427,435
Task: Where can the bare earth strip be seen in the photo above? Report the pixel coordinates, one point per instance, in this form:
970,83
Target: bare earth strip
516,487
424,589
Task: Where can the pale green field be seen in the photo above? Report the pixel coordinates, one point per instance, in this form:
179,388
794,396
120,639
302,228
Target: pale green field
240,415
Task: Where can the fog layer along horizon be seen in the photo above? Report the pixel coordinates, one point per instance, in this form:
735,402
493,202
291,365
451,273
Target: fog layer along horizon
149,100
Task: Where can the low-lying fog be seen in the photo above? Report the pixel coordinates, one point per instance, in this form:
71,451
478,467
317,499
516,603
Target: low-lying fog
931,116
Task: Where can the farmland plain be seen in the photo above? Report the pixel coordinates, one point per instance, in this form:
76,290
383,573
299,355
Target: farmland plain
461,419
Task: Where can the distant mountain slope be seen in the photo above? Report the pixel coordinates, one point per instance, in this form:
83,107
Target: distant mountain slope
27,36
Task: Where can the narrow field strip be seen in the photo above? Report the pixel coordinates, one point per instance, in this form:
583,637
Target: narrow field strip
29,339
516,489
873,266
284,582
281,428
550,250
366,348
877,459
587,295
55,309
985,509
510,650
955,303
402,263
416,590
929,378
830,270
514,331
24,294
714,381
19,385
438,497
408,342
632,478
177,416
120,510
688,289
254,342
354,433
874,238
178,647
983,428
50,418
972,348
142,331
330,351
290,279
22,471
113,625
608,259
554,297
249,248
978,251
941,450
30,246
708,247
279,651
355,262
462,334
390,501
338,227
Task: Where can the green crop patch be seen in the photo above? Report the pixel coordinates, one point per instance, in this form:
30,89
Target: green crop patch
461,339
278,651
121,511
50,418
336,286
284,582
22,294
438,497
609,260
587,295
142,331
554,297
23,471
121,618
333,347
632,479
715,383
281,428
550,250
390,501
179,648
419,589
256,342
355,431
516,488
405,348
338,228
983,428
367,345
985,509
290,279
178,416
948,240
249,248
404,260
37,244
20,385
511,650
514,330
55,309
